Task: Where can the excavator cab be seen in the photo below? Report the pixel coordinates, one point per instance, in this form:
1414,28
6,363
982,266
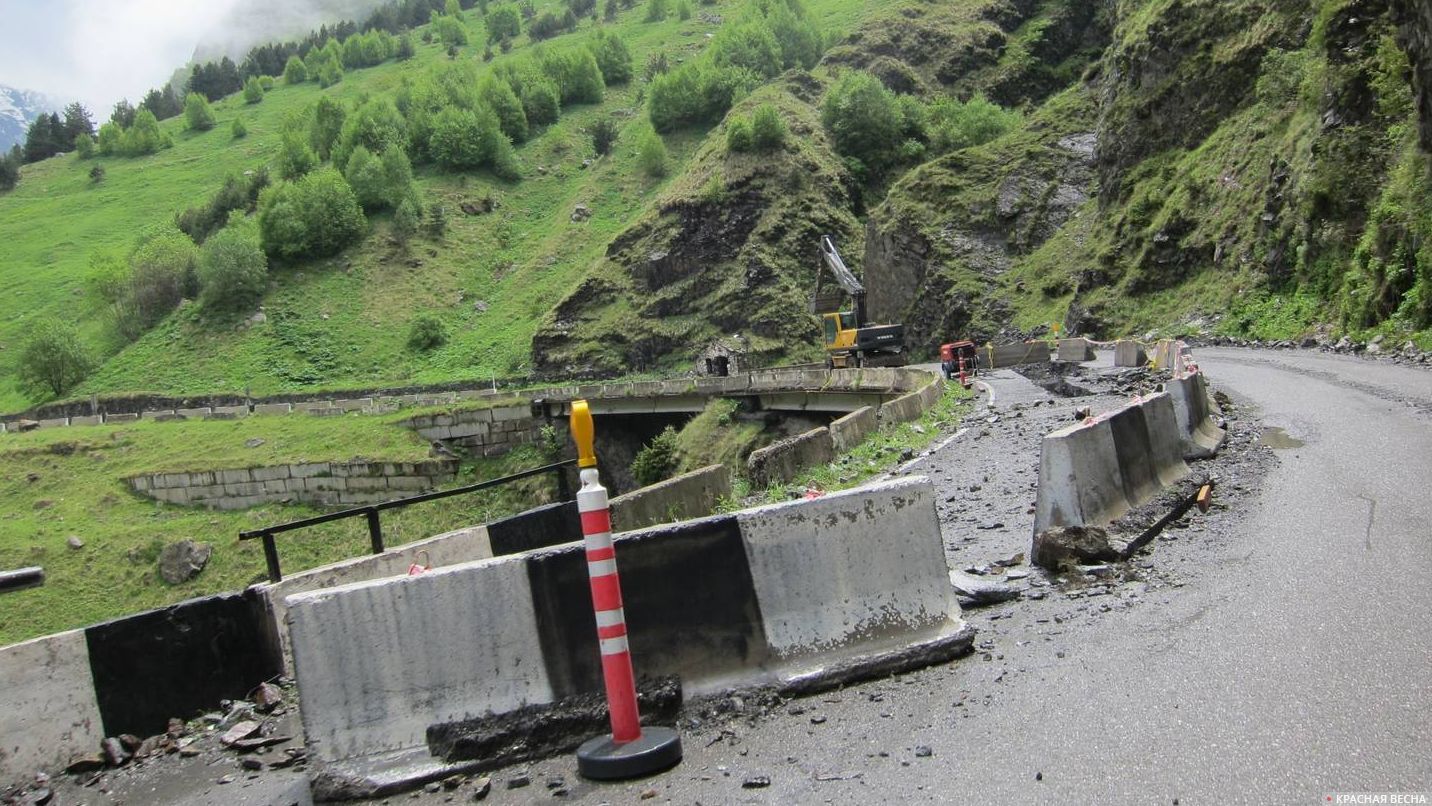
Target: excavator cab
840,329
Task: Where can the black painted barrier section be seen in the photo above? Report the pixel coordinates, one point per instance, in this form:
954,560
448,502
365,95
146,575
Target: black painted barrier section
691,608
549,525
178,661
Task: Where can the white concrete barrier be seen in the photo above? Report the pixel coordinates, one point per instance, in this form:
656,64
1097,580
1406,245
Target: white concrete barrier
378,662
1201,437
48,710
1079,478
451,548
1166,449
856,571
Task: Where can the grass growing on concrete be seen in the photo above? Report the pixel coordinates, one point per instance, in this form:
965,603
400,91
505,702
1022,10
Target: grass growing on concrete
70,482
880,453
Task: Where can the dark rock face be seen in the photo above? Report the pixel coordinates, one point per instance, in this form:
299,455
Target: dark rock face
1177,82
1415,17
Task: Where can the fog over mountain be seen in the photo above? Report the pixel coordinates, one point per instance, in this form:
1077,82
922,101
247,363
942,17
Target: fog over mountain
99,52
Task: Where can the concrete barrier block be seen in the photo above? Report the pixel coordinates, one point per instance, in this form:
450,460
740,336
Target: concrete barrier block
229,411
380,661
155,414
852,429
1075,351
1129,354
273,408
1079,479
689,495
1166,449
1201,438
48,710
120,418
784,460
859,569
89,420
1135,452
194,413
54,422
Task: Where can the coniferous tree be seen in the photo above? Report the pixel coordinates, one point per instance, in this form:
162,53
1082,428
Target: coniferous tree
10,169
77,121
123,114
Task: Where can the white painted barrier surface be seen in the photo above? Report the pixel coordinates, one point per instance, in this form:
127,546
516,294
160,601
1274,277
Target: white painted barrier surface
1079,479
378,662
48,711
850,569
1164,445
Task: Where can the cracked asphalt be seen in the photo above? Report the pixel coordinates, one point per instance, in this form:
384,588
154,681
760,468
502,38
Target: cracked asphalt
1275,650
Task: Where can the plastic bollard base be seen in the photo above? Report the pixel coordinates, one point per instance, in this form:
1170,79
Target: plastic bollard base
602,759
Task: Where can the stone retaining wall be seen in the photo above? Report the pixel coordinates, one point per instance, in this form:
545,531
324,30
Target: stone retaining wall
321,483
488,431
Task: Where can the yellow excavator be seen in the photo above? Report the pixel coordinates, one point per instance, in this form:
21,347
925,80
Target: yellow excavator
850,341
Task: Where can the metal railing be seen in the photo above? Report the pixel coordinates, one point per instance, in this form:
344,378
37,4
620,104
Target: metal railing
371,512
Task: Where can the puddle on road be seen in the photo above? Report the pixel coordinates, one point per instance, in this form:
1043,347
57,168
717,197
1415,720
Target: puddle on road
1278,439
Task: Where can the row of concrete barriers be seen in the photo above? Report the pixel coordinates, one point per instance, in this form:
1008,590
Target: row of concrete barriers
1093,472
796,595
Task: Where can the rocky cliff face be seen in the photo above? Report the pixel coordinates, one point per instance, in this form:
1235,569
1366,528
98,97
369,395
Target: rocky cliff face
1416,19
732,249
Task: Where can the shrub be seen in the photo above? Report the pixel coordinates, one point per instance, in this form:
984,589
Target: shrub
696,93
364,175
604,136
613,57
497,95
160,273
253,91
376,125
197,114
575,72
96,174
233,270
683,10
405,221
238,193
53,360
738,135
84,146
503,23
144,136
582,8
403,50
541,101
656,10
651,155
329,74
609,11
768,131
953,125
427,333
326,126
658,460
863,118
266,83
546,26
450,30
295,158
295,71
238,129
751,45
315,216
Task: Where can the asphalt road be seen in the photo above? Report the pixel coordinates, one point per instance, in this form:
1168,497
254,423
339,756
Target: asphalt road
1293,665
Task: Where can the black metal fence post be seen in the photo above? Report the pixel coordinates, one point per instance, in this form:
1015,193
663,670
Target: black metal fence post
564,489
271,557
375,531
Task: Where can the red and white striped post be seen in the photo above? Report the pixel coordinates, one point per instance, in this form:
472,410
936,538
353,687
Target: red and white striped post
629,751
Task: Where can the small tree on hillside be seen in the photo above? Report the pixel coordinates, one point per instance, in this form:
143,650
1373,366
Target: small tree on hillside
295,72
651,155
53,359
233,270
768,131
253,90
197,114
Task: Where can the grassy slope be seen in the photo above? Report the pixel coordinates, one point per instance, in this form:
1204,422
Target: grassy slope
70,481
343,322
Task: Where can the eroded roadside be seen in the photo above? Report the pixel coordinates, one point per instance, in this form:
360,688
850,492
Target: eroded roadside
761,748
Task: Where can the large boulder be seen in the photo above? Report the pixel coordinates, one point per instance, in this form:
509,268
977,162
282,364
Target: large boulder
1058,548
182,561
